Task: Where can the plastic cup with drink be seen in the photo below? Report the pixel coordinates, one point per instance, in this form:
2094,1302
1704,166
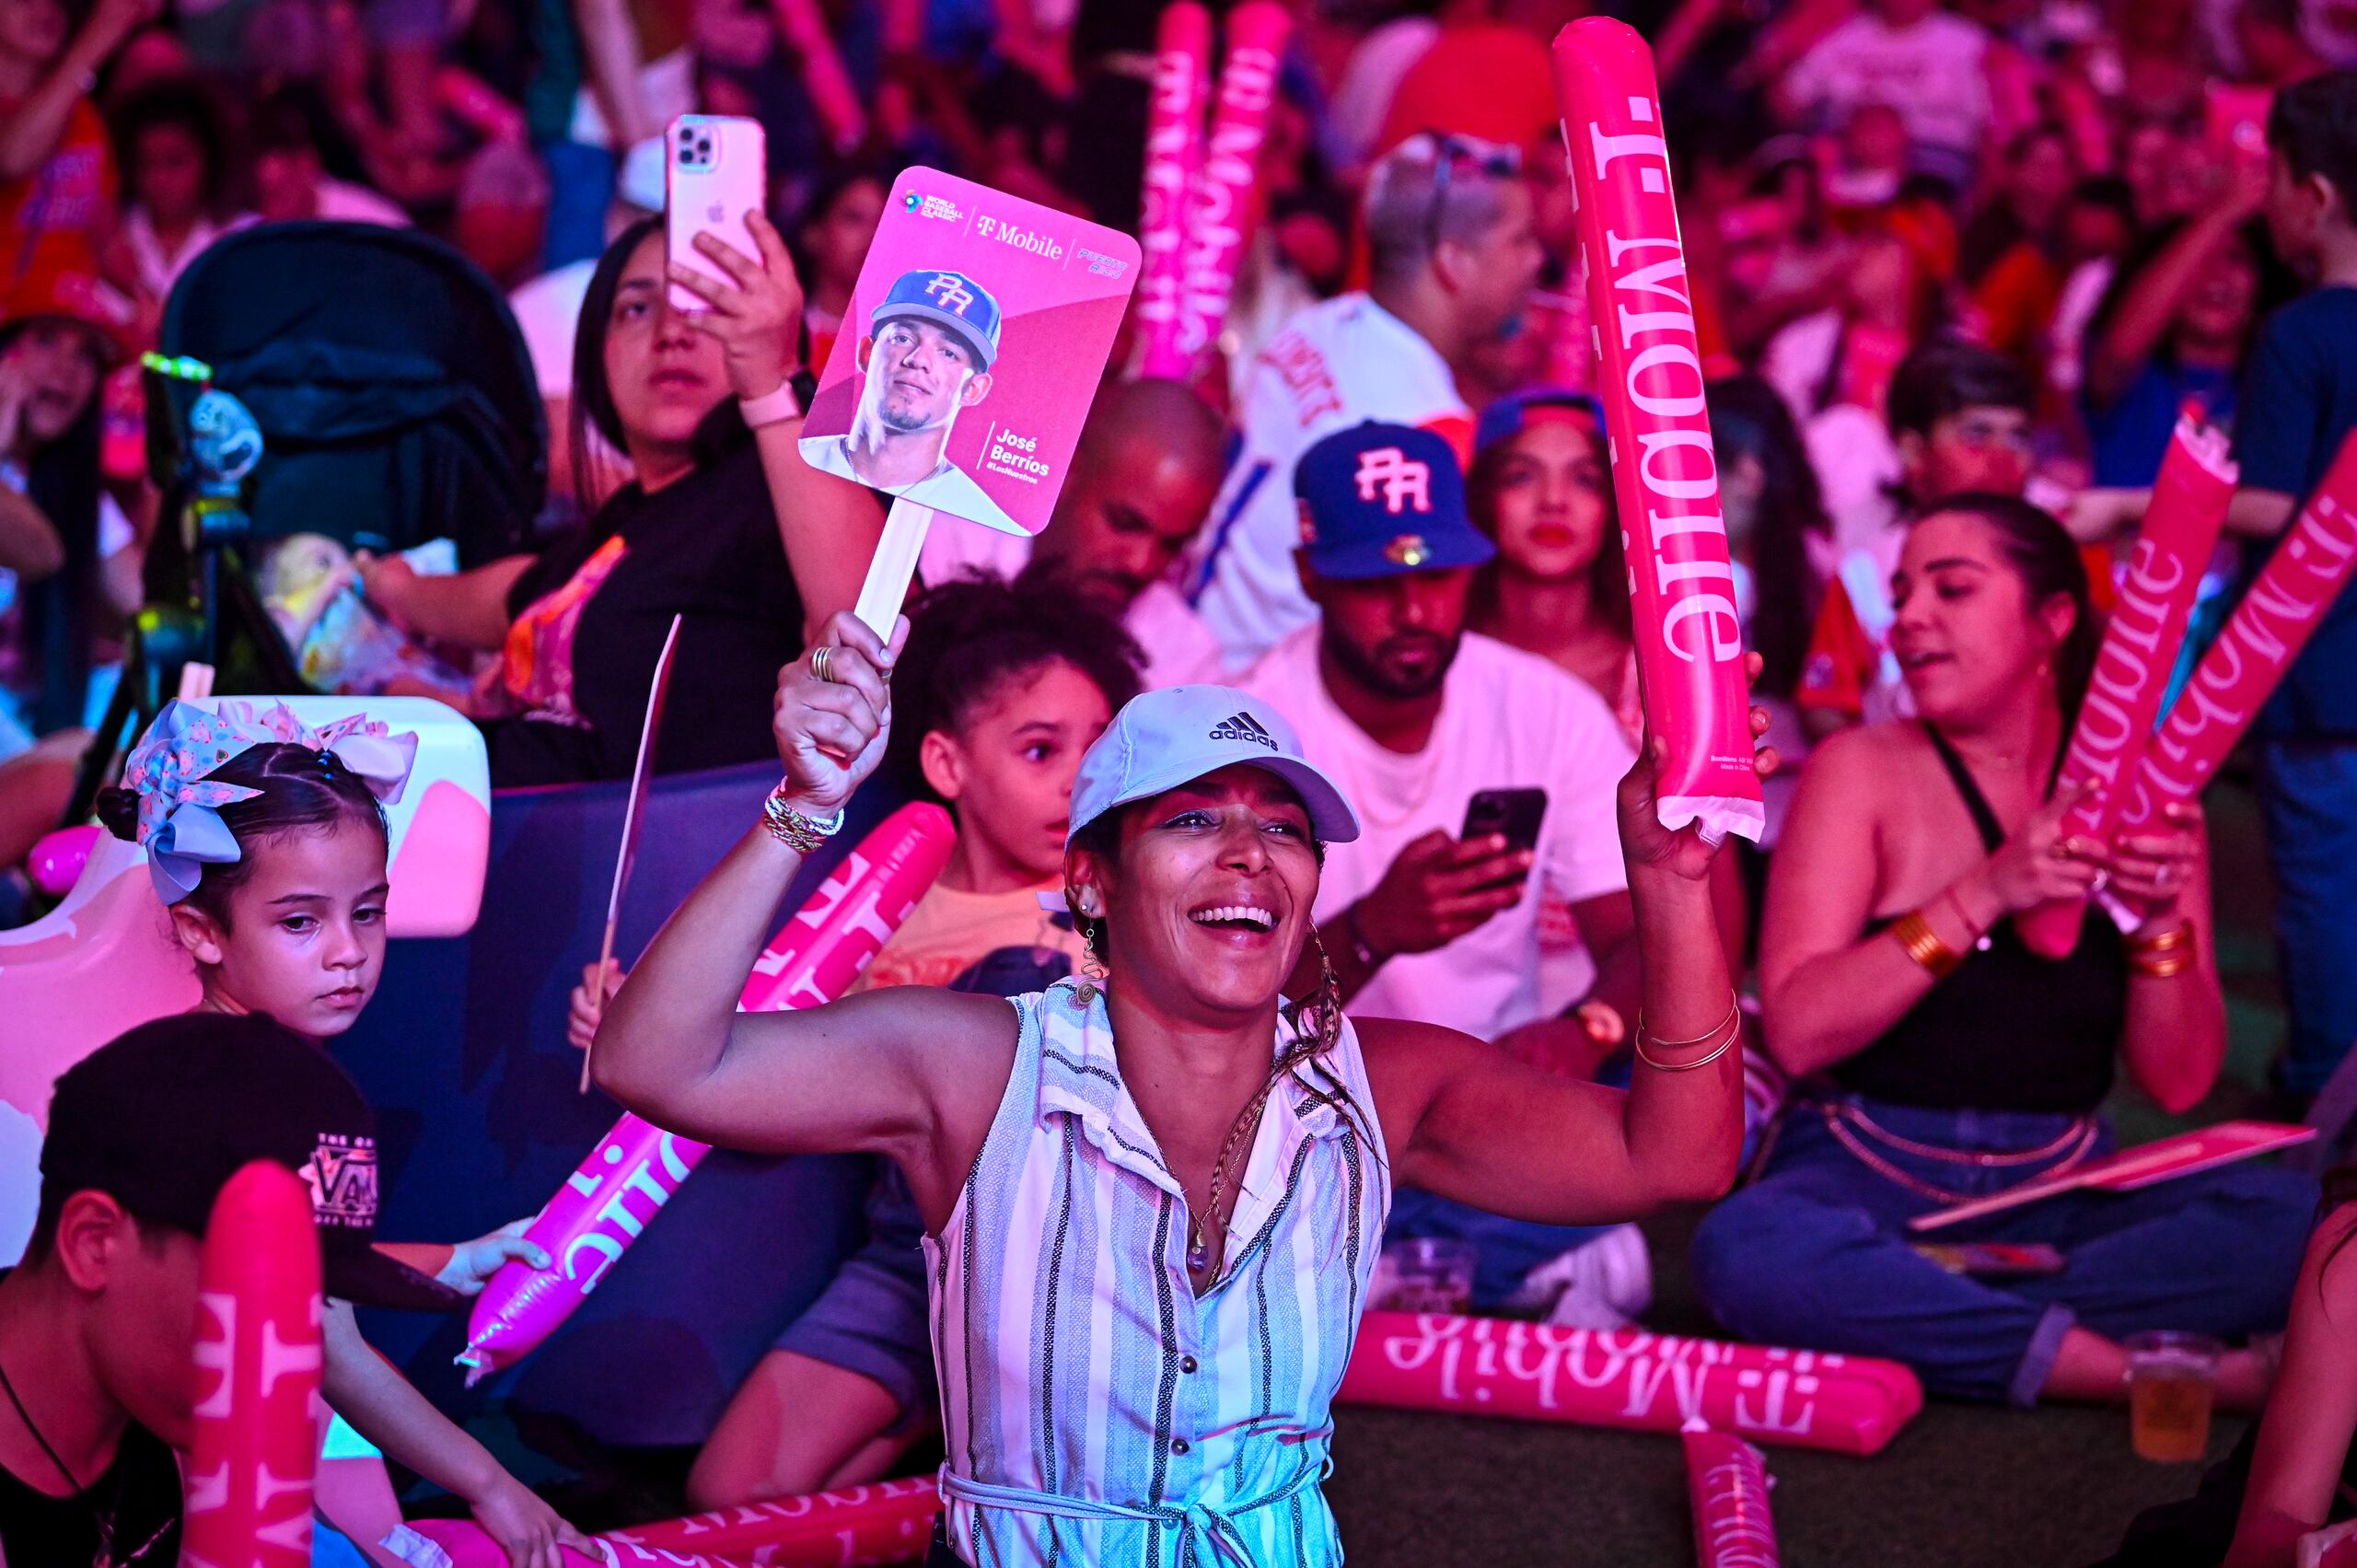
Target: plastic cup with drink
2172,1381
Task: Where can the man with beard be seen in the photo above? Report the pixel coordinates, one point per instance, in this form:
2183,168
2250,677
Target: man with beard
927,357
1413,715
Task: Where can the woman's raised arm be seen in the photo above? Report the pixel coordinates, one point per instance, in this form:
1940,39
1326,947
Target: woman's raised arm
905,1072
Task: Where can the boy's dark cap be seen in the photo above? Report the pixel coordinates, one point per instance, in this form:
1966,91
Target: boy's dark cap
160,1117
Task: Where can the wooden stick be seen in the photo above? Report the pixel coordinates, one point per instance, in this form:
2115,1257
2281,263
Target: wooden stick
642,776
905,527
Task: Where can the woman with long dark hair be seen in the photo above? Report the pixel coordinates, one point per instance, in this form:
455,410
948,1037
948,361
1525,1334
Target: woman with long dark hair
1152,1194
724,524
1941,1059
69,558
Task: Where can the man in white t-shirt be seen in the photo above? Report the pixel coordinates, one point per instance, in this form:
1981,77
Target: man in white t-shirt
1452,256
1413,715
1913,56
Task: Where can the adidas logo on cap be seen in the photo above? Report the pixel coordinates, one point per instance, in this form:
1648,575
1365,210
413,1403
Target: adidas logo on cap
1243,726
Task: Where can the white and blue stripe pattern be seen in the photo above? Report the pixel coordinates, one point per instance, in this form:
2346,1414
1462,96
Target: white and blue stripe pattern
1094,1410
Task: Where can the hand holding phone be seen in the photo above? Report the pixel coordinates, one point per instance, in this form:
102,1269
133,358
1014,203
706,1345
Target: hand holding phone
1439,888
715,167
734,268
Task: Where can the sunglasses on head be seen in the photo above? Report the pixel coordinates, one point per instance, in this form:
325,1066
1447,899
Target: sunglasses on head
1489,159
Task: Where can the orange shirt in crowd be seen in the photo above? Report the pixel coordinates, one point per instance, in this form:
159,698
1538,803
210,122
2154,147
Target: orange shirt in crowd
52,220
1484,79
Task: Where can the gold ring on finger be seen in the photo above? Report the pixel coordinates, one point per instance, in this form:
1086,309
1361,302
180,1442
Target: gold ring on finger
822,658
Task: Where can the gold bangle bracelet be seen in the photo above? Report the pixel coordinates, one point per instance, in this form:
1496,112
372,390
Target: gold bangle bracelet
1734,1028
1924,944
2174,938
2163,969
1734,1008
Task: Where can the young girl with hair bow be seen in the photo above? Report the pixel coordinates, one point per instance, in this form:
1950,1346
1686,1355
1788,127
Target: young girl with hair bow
267,843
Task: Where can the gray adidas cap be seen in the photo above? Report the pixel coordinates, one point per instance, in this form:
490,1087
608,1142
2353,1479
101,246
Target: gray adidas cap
1162,739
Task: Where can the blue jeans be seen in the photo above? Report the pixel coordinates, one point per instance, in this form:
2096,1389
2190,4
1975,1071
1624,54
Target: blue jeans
2309,792
1815,1254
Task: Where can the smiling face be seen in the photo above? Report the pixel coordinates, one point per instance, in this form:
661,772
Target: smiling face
1008,767
918,375
304,939
665,376
58,366
1967,636
1550,501
1207,898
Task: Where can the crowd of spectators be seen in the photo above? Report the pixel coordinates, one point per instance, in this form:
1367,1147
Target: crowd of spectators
1956,269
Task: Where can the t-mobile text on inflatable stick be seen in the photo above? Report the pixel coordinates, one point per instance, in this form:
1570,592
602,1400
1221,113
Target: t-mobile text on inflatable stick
1173,151
1222,208
2139,652
1665,475
260,1352
2261,639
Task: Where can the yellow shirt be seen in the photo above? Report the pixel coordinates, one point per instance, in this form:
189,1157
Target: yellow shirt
949,932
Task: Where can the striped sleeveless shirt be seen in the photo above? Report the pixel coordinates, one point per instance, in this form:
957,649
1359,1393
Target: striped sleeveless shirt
1094,1410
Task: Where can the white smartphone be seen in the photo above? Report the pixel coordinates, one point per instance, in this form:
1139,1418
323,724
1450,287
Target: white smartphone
715,171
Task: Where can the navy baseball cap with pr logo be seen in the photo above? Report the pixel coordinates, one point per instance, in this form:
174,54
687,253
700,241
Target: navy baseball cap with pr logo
949,299
1377,500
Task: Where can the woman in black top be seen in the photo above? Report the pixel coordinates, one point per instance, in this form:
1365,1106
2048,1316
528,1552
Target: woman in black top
1943,1060
724,525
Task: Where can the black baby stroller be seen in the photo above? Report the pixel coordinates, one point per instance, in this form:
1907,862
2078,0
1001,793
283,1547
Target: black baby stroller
392,400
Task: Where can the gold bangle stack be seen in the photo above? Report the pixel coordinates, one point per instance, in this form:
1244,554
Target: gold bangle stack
1924,944
2167,955
1731,1025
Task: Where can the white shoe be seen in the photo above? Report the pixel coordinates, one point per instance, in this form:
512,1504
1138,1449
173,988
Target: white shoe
1603,1284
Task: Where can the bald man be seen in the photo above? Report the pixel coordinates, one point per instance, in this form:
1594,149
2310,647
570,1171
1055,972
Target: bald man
1141,482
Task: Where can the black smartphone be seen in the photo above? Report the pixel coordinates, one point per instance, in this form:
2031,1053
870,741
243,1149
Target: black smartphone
1516,813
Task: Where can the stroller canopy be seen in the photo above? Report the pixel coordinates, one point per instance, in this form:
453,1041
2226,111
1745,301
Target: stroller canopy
395,395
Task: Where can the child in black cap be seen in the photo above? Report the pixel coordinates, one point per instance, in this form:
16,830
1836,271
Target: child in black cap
97,1323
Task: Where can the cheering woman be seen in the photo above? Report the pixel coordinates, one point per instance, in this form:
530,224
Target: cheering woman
1152,1194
